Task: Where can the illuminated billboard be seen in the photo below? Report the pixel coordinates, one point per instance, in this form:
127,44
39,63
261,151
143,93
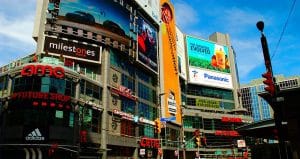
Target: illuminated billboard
147,44
208,63
207,55
169,63
106,15
181,54
210,78
73,50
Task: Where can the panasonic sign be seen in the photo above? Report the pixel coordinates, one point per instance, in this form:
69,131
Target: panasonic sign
217,78
210,78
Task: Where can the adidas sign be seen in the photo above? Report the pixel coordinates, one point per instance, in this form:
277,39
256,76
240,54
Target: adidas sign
35,135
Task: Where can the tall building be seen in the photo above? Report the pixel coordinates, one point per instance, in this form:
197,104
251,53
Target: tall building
116,79
257,107
210,102
90,89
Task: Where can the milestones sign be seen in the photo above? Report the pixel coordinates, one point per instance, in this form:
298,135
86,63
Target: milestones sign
73,49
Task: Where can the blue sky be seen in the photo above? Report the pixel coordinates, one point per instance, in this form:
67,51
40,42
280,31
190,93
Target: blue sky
238,18
200,18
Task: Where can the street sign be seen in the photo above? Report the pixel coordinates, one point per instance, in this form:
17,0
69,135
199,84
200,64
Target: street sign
172,118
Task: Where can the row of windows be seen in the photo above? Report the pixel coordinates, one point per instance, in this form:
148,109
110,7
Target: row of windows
207,124
44,84
209,103
39,117
145,88
209,92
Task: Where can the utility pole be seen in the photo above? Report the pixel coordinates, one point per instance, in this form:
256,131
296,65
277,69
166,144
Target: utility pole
273,90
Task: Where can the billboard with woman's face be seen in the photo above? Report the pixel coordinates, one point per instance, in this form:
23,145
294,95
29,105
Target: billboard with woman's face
147,44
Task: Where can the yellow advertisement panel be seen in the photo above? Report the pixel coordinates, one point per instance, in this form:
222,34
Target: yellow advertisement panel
169,63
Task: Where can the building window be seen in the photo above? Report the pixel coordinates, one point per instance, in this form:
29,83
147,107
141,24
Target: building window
192,122
90,119
44,84
146,130
209,92
127,128
147,111
90,92
127,105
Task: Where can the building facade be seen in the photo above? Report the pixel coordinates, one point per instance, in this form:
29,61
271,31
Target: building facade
257,107
116,79
210,100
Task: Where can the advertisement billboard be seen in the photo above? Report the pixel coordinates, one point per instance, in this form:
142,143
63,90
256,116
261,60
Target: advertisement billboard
169,63
208,63
181,54
107,15
210,78
207,55
151,7
73,50
147,43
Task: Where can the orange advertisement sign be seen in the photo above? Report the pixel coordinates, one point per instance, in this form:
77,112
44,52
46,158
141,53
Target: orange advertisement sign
169,64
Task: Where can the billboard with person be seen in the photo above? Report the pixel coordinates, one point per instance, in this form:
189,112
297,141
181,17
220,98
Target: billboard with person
147,43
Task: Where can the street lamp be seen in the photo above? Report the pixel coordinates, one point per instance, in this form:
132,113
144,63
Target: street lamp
159,116
277,107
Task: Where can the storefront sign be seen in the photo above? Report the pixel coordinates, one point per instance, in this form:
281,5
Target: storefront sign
150,143
42,70
231,120
123,114
72,49
131,117
124,91
226,133
41,95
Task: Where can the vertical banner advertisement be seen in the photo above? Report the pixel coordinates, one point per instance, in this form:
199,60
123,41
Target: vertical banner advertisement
181,54
169,63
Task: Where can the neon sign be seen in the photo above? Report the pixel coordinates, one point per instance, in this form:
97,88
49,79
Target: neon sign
226,133
124,91
231,120
151,143
42,70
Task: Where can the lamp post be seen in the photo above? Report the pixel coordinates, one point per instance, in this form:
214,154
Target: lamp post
277,107
182,130
159,116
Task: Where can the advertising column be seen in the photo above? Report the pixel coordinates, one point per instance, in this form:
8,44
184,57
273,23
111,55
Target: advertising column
169,74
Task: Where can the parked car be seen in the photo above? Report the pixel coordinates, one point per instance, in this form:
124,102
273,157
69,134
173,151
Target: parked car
81,17
113,27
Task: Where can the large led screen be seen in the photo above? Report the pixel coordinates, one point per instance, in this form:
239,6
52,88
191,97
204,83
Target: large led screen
207,55
147,44
107,15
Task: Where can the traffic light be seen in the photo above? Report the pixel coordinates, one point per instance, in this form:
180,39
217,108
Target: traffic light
157,126
197,137
269,82
198,141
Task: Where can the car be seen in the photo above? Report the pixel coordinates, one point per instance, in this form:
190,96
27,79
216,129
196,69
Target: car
113,27
81,17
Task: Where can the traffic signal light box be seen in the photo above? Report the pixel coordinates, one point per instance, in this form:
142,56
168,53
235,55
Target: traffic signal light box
157,126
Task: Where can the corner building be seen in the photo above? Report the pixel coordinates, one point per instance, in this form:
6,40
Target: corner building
210,99
90,90
103,73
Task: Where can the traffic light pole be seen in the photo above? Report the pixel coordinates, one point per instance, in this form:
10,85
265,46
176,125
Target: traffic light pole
275,104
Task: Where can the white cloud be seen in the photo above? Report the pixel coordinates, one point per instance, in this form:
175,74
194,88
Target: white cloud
19,29
185,14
